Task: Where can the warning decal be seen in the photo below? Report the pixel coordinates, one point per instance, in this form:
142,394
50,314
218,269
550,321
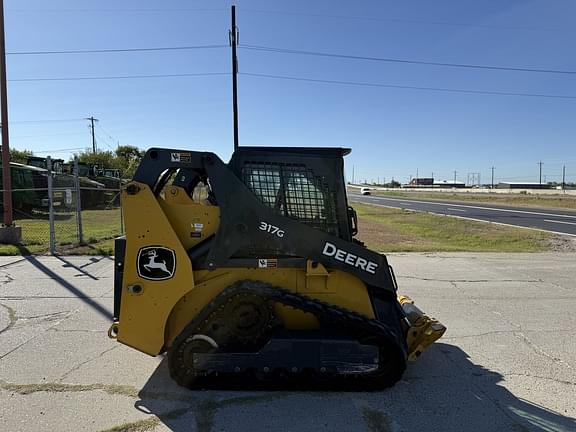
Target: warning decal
184,157
267,263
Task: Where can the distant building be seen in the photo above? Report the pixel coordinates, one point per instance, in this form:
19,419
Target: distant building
523,185
421,181
449,184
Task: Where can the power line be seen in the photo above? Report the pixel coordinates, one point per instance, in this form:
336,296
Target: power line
437,89
398,20
405,61
46,121
48,135
301,52
285,13
293,78
109,135
119,77
73,10
60,150
117,50
105,141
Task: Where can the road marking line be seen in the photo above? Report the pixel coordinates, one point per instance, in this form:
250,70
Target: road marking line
481,220
403,203
483,208
455,209
562,222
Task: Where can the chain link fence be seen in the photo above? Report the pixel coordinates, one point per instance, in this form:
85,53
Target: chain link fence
63,211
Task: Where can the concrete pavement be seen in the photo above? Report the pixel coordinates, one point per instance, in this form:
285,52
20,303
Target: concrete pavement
506,363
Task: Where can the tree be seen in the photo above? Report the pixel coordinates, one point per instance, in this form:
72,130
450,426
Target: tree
104,159
20,156
125,158
128,158
129,152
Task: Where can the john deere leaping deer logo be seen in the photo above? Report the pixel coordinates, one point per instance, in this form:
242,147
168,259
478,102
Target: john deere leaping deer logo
156,263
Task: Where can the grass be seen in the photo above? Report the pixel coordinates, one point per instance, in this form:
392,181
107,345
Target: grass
100,227
381,228
520,200
393,230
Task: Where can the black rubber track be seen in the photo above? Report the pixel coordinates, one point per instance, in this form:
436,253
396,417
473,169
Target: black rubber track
392,353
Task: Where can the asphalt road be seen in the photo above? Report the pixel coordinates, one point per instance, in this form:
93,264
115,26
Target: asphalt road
553,220
507,362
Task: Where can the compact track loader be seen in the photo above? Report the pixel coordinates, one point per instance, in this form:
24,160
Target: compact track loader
251,267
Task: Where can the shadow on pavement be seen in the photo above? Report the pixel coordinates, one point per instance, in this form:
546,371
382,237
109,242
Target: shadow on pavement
443,391
67,285
79,269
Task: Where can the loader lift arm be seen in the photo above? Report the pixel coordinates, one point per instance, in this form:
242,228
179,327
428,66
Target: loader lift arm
246,224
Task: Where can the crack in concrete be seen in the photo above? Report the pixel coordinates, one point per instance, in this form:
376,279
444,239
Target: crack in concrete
12,318
140,425
12,263
478,335
376,420
53,329
17,347
7,278
521,336
534,347
79,365
26,389
471,280
494,401
571,330
50,316
31,339
149,423
559,381
57,317
111,290
205,410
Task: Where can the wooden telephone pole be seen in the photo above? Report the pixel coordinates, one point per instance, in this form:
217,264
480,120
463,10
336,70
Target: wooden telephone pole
9,233
233,37
92,120
6,177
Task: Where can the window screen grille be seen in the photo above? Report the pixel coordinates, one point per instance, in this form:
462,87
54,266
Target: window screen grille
294,191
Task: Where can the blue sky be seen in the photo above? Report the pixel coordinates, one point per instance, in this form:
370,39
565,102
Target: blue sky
393,132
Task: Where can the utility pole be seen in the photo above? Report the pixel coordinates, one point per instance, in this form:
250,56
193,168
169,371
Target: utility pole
233,38
493,168
455,172
563,177
353,182
540,163
92,120
6,177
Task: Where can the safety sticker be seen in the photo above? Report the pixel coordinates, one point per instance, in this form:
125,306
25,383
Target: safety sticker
198,227
184,157
267,263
